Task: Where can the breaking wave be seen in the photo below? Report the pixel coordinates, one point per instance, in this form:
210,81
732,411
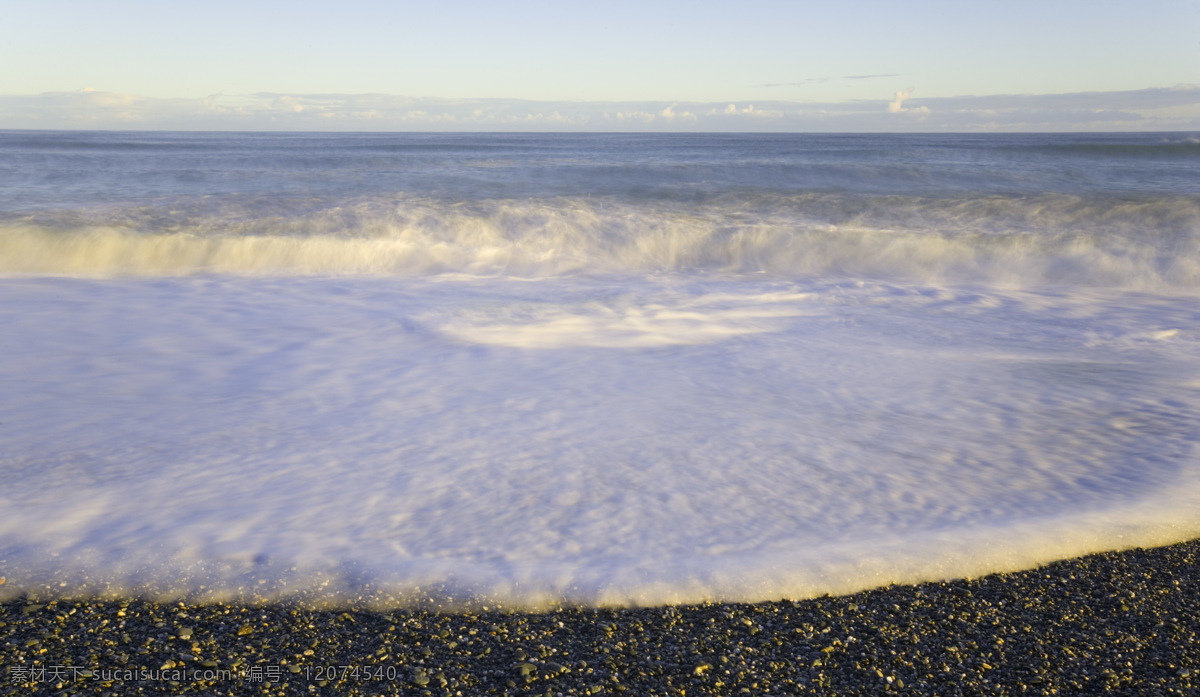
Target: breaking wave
1135,243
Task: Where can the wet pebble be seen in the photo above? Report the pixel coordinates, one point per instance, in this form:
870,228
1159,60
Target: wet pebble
1122,623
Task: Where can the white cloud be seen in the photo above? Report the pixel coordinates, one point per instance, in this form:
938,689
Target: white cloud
634,116
556,119
670,114
1175,108
896,106
748,110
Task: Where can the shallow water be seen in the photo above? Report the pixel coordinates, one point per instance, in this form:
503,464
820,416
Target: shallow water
595,369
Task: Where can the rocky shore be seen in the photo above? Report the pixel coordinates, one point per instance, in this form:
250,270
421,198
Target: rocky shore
1118,623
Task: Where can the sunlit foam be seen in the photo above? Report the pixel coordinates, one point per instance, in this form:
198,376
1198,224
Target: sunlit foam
698,320
1149,245
333,440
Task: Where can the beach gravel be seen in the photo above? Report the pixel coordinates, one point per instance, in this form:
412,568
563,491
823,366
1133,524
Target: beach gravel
1124,623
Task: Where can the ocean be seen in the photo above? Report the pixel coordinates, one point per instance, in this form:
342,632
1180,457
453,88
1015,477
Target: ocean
527,370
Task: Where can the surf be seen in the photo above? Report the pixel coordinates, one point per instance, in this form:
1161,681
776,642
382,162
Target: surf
1133,243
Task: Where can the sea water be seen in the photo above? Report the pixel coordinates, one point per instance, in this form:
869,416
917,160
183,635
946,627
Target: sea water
601,369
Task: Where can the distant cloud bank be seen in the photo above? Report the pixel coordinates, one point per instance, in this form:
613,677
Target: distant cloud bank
1157,109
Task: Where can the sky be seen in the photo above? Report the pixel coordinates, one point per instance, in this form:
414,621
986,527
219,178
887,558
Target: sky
614,65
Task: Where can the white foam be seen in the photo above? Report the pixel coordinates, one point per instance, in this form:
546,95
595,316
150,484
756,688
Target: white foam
606,440
1147,245
623,323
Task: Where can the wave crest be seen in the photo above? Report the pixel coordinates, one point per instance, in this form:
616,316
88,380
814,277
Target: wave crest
1053,239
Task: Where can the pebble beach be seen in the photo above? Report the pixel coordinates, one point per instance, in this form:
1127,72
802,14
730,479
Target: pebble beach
1112,623
454,414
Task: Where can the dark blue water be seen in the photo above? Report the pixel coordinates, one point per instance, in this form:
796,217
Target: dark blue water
41,170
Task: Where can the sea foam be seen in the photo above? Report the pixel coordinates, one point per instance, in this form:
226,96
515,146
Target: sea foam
1137,244
453,440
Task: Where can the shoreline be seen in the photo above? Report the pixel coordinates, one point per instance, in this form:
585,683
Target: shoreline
1126,622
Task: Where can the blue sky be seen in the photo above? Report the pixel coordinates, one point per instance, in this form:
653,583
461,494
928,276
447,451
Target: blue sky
375,65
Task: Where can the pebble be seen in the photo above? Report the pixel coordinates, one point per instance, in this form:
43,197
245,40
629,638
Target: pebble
1113,623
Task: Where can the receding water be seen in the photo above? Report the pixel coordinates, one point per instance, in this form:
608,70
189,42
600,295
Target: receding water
534,369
